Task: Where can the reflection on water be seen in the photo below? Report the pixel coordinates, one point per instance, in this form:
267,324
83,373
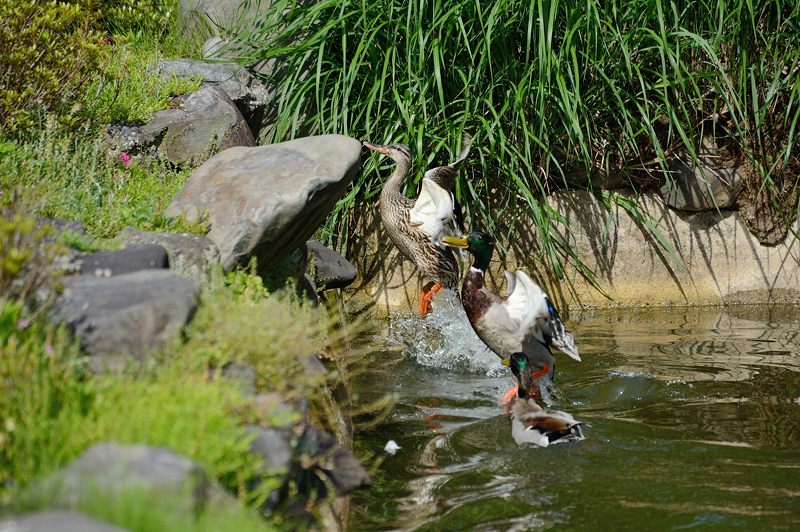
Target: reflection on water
692,420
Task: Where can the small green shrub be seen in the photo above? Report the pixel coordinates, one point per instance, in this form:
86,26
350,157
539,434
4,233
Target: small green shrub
48,52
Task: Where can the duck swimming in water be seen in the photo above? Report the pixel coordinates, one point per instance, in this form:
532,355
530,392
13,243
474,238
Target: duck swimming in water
530,423
417,226
525,320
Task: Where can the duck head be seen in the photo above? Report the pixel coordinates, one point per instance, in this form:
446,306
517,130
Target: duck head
399,153
518,362
478,243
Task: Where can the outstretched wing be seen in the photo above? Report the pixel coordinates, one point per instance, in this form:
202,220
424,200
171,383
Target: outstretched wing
432,211
445,177
523,302
536,315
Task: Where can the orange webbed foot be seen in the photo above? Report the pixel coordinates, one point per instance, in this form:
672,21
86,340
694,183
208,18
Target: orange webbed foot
510,394
428,292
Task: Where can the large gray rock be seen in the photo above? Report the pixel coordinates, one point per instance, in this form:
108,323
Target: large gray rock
248,93
267,201
126,317
207,120
187,133
189,255
55,520
111,469
705,186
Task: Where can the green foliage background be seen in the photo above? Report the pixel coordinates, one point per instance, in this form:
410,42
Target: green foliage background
554,92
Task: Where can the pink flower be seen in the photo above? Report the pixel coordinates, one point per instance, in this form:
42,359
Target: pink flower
125,158
105,41
48,349
22,323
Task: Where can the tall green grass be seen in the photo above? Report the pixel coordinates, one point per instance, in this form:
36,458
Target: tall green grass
553,92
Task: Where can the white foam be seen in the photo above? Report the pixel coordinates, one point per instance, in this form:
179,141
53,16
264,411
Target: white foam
445,338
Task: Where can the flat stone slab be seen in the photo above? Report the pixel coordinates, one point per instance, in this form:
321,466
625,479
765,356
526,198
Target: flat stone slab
268,200
125,318
127,260
55,521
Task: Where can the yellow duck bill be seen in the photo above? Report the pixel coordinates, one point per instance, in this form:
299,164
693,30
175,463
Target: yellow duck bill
456,241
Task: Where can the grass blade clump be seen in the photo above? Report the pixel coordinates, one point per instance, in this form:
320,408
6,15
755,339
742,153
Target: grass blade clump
555,93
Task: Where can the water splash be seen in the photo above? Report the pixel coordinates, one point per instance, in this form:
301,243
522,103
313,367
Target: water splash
445,339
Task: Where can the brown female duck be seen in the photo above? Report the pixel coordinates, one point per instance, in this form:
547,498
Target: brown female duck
417,226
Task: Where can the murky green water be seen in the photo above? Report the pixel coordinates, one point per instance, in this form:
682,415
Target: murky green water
692,420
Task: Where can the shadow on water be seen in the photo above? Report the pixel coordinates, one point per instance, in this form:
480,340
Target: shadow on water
692,420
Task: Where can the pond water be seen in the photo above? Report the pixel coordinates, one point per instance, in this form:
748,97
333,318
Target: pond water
692,420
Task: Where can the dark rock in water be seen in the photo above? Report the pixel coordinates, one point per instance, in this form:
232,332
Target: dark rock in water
55,521
189,255
111,469
124,318
127,260
248,93
339,464
267,201
705,186
330,269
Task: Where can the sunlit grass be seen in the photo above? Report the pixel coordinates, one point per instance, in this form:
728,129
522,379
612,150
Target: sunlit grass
71,177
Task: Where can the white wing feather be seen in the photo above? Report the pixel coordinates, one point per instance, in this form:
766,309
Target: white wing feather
433,210
525,302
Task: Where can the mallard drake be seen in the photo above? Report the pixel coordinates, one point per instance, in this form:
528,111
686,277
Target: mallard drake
417,226
530,423
525,320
